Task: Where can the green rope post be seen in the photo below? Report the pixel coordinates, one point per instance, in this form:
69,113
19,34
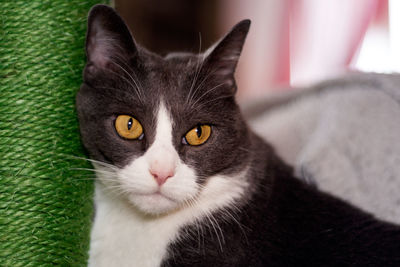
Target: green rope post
45,202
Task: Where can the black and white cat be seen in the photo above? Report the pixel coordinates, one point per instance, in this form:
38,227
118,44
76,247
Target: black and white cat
182,181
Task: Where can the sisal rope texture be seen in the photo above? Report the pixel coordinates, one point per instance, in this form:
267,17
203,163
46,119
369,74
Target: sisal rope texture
45,193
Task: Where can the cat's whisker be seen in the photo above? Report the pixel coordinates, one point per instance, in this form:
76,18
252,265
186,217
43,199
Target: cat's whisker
87,175
132,71
235,207
116,193
196,222
107,181
138,88
105,164
231,216
210,101
207,216
197,65
134,184
105,174
199,87
213,223
130,83
117,188
195,77
107,177
93,170
202,232
191,202
206,93
193,91
231,212
219,229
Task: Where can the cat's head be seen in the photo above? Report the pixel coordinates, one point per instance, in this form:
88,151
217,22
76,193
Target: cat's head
163,126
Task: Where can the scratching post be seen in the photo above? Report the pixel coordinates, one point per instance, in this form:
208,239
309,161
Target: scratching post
45,200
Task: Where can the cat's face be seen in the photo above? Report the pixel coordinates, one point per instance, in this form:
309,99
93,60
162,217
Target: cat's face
164,126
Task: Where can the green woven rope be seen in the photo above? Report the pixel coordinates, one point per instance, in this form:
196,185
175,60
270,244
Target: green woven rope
45,201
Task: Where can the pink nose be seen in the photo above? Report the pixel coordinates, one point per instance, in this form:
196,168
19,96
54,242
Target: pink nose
161,175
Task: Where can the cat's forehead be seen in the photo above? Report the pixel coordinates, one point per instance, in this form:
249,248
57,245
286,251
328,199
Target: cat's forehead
173,65
171,76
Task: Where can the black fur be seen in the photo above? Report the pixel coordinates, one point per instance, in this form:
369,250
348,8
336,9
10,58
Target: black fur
280,221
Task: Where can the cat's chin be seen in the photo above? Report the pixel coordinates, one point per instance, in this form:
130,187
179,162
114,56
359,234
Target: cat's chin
154,203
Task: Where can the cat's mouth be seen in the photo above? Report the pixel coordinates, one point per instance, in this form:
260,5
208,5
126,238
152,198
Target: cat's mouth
153,203
157,194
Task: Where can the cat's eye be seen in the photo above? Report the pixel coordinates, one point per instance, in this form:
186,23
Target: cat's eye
198,135
128,127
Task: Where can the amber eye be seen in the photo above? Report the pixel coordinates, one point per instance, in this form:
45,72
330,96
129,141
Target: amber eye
198,135
128,127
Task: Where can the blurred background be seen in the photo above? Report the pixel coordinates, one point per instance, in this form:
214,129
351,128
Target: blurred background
291,42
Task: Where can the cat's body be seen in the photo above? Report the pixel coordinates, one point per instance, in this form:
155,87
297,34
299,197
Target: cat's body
194,186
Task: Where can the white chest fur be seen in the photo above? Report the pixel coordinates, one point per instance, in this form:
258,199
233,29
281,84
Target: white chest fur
123,236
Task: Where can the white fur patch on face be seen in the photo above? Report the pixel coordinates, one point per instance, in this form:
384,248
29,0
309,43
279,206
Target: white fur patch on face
142,188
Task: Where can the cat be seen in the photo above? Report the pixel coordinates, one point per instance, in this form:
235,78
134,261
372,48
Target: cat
182,181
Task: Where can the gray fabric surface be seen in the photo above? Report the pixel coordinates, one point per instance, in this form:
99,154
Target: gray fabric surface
341,135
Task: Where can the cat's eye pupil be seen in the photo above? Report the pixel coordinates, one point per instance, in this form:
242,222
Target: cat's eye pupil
198,131
130,122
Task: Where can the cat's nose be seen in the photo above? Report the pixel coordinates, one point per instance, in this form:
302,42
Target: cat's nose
161,175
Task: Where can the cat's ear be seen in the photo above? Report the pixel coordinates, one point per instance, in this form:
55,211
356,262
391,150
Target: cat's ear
108,39
223,57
